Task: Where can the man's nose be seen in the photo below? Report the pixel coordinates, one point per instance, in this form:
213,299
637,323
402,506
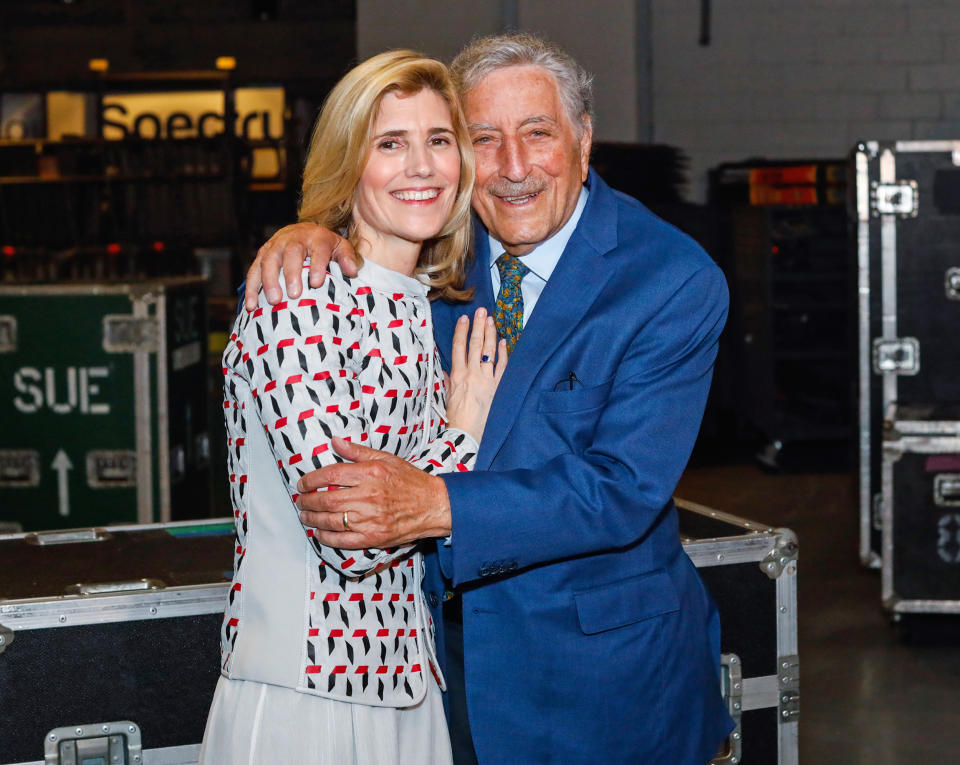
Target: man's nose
419,161
513,161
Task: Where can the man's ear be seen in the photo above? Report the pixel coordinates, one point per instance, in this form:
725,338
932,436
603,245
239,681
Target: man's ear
586,142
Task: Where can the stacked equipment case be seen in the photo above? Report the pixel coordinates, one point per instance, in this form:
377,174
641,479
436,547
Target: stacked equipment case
103,403
751,571
109,638
790,333
908,256
110,642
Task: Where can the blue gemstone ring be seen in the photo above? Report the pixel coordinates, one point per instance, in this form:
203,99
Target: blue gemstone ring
484,359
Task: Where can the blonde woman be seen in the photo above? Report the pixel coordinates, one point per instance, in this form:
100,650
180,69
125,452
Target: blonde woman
328,654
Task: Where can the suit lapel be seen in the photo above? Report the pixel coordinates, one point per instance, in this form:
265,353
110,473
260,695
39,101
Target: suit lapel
572,288
445,315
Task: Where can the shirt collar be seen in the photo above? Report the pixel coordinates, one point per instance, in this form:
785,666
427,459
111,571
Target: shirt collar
388,280
543,258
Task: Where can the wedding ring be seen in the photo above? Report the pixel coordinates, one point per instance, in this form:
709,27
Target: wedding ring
484,359
346,523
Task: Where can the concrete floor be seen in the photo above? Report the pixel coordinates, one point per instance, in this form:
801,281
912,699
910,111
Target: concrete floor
867,697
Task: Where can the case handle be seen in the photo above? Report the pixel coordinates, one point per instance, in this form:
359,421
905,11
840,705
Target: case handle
109,588
72,536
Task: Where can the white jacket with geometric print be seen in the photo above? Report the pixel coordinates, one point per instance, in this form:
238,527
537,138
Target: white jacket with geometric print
354,358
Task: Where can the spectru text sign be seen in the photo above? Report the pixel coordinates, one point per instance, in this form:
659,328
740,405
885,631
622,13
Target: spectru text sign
192,114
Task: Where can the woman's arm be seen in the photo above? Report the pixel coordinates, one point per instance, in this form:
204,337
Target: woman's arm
423,497
300,358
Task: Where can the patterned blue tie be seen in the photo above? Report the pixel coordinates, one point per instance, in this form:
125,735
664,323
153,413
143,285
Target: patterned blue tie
508,316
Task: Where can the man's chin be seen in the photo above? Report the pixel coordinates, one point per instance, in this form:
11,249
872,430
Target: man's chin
518,233
519,243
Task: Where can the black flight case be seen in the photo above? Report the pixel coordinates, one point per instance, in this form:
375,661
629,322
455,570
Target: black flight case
109,638
908,258
109,642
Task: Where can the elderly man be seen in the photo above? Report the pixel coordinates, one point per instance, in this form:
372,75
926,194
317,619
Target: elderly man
586,633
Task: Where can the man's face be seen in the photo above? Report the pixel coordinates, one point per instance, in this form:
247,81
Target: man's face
530,163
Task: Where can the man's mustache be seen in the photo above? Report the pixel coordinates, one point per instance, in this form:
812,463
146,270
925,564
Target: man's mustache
503,188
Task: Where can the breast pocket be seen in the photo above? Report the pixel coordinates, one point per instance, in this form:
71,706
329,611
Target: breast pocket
572,415
628,601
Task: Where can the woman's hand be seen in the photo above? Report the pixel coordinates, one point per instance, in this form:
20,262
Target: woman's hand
475,373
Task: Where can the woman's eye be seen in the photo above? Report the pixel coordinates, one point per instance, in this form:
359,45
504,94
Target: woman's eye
389,144
440,140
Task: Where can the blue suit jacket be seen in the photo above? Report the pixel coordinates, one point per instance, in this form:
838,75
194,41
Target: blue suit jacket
587,631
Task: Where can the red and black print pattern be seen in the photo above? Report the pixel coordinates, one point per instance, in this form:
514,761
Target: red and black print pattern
357,361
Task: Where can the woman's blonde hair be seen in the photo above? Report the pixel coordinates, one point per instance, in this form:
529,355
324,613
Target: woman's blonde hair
341,143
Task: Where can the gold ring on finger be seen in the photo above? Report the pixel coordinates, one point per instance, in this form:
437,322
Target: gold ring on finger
346,522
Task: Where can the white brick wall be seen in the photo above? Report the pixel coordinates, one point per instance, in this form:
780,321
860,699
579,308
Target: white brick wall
802,78
780,78
599,33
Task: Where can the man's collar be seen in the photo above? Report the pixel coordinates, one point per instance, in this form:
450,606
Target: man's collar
543,258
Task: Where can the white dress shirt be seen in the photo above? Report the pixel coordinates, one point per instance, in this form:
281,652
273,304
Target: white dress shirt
541,260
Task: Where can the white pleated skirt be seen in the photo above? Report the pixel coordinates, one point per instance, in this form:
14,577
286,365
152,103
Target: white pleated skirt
253,723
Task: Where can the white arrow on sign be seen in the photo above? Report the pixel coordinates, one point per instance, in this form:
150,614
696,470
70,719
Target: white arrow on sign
62,463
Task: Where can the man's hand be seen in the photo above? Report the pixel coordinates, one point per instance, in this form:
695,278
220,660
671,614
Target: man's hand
387,501
287,249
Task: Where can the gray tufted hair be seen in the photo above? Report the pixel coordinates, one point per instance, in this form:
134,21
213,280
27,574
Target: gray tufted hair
485,55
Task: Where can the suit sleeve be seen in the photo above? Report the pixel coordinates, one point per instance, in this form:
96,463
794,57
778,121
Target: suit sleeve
611,493
301,358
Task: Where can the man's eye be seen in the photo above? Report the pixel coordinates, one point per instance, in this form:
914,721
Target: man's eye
482,139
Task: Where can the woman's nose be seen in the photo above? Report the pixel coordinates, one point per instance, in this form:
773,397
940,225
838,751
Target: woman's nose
419,162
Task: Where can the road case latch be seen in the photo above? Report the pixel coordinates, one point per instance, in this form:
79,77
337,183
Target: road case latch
898,198
782,555
951,283
946,489
6,638
899,355
8,334
788,680
123,333
111,743
19,467
731,683
111,468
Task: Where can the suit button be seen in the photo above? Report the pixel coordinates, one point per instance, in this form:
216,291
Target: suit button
512,566
433,600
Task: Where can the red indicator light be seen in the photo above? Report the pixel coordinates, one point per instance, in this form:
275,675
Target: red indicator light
159,246
114,249
9,251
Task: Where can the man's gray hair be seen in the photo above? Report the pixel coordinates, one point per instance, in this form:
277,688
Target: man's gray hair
487,54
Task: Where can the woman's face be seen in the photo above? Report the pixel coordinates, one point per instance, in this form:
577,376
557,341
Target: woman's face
409,184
